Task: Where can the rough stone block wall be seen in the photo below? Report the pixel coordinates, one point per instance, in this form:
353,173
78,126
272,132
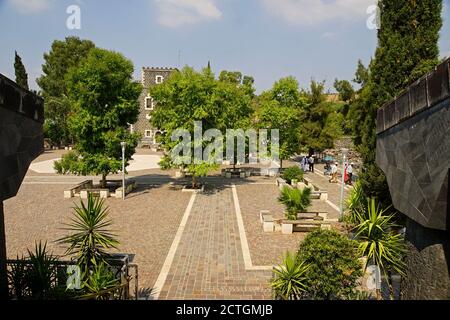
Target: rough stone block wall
428,263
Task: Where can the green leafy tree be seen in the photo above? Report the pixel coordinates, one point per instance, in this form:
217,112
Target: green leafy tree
334,266
189,96
280,108
105,99
362,74
321,121
21,73
407,49
345,90
62,56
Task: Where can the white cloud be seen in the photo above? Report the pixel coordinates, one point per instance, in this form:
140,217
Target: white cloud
174,13
313,12
30,6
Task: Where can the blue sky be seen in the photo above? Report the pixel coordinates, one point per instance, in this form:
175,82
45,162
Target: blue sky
268,39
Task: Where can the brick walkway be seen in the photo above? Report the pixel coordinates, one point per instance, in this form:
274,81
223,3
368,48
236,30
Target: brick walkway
209,263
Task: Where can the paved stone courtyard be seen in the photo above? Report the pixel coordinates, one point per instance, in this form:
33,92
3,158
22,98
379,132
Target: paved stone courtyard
204,246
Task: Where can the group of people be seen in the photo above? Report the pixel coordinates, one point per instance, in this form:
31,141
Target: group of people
333,171
307,164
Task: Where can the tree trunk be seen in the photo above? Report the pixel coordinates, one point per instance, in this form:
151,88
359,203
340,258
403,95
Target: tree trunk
103,181
3,271
281,164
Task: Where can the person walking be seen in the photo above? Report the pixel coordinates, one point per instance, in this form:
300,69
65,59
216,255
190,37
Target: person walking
311,164
334,171
350,174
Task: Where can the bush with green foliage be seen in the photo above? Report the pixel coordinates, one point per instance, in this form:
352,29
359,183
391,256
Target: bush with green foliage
295,201
289,281
292,173
334,265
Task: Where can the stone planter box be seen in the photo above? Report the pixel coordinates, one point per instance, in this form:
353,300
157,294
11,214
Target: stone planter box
269,225
180,174
188,189
263,213
287,228
301,185
129,186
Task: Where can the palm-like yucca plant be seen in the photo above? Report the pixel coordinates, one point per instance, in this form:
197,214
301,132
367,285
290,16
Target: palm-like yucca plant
355,203
101,279
91,236
289,280
41,275
295,201
377,240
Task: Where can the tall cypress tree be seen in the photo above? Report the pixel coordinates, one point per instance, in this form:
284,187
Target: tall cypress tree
407,49
21,73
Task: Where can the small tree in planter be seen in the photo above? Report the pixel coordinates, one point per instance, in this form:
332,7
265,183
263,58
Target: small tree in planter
200,170
295,201
293,174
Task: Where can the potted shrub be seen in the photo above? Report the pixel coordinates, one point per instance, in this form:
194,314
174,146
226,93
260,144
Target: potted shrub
295,201
292,175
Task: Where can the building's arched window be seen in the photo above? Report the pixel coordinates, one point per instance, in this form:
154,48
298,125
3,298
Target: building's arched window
159,79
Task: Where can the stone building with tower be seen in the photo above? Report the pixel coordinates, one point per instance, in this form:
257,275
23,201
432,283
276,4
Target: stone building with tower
150,77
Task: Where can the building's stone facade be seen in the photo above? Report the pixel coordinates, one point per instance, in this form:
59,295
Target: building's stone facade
150,77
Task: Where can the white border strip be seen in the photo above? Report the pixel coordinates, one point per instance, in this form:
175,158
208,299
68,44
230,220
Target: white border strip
244,243
159,284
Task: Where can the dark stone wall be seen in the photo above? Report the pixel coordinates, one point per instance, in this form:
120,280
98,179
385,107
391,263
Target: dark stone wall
21,134
21,141
415,156
3,276
428,264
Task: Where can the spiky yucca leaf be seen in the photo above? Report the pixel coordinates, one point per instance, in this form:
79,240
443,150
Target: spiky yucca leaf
289,278
91,235
377,240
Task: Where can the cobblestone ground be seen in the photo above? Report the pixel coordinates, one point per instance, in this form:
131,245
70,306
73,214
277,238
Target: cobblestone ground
209,261
145,223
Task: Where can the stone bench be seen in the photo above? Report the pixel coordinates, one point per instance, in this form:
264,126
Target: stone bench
316,192
102,193
305,225
87,184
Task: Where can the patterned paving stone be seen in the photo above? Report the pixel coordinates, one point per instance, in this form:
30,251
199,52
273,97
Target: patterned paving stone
209,261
